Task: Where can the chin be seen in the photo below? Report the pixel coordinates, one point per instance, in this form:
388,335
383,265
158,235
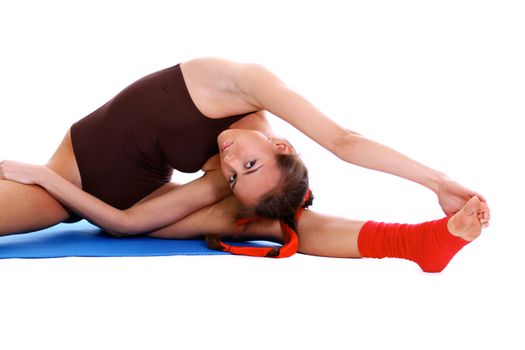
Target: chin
222,135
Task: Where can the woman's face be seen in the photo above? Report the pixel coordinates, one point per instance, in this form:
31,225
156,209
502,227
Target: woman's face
248,162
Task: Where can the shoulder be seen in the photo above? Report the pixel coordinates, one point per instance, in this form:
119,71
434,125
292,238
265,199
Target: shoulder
259,84
216,68
241,75
243,82
219,64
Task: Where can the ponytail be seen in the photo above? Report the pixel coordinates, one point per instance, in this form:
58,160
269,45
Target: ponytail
289,235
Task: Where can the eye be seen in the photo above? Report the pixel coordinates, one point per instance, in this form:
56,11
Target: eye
250,164
232,178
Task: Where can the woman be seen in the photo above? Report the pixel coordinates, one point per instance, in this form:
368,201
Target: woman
122,156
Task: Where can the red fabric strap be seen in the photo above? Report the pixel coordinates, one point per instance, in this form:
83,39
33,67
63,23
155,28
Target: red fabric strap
290,240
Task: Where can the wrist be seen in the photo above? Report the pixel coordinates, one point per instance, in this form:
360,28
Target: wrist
44,176
435,181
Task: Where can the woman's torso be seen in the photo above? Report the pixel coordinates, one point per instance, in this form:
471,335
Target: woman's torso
129,146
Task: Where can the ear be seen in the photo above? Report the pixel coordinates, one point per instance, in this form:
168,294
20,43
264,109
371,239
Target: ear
283,146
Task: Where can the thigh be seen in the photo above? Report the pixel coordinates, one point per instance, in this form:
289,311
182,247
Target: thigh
219,218
319,234
25,208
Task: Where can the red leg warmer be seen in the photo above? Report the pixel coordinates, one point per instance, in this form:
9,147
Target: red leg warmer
429,244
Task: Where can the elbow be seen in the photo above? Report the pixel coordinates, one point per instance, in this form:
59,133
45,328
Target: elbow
122,228
344,144
117,234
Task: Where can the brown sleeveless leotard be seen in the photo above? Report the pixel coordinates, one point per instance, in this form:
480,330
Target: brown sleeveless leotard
129,147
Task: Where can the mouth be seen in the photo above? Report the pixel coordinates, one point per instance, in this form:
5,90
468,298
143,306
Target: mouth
225,145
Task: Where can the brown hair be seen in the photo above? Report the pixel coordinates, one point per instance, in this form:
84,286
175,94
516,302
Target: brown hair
287,197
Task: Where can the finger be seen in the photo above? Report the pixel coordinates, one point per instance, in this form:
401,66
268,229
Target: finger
481,198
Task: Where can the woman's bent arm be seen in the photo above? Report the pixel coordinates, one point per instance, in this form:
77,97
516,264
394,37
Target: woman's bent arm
143,217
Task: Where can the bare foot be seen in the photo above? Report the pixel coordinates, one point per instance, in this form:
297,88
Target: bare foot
467,223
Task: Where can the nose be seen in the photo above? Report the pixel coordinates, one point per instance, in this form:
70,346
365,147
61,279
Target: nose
229,157
230,160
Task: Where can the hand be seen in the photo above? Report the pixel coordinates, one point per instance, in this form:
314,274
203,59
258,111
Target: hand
452,197
28,174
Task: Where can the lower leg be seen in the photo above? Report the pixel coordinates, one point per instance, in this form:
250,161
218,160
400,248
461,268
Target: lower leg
325,235
431,244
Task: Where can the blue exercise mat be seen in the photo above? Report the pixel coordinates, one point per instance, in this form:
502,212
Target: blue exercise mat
85,239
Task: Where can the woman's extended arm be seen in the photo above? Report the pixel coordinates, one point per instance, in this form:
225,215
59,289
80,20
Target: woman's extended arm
269,93
144,217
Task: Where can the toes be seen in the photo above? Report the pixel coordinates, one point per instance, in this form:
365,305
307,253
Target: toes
484,215
472,206
485,209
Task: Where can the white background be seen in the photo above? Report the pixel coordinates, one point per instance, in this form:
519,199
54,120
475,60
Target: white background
442,82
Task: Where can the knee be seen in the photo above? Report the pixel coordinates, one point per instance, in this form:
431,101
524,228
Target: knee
27,208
